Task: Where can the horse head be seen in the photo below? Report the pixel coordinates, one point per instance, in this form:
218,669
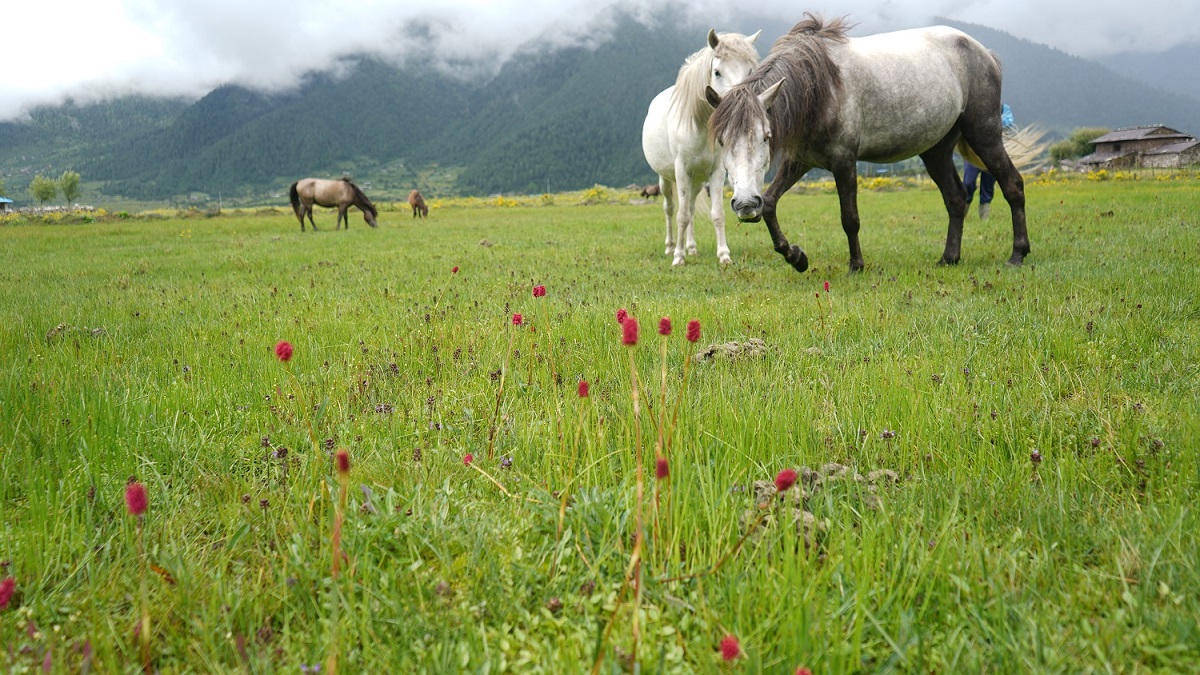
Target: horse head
733,57
742,128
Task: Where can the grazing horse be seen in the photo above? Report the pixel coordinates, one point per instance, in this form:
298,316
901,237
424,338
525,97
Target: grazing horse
675,138
340,193
822,99
651,191
417,202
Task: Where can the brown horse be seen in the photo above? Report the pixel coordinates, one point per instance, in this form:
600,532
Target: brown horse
417,202
651,191
330,193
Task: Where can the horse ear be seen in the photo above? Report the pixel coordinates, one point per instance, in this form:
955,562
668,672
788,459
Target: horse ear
767,98
711,95
712,38
754,38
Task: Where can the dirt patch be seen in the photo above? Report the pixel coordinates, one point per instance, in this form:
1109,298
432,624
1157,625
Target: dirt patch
733,350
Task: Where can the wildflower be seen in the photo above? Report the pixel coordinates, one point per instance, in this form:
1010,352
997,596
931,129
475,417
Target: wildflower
343,461
826,286
629,331
283,351
7,588
539,291
583,389
621,315
785,479
664,326
517,319
801,670
661,469
467,459
454,270
135,498
730,649
693,330
1035,457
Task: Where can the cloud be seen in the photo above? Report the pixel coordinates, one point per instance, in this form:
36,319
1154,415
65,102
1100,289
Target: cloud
95,48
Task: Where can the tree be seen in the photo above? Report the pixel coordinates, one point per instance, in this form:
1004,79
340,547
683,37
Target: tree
1078,144
2,194
43,189
69,185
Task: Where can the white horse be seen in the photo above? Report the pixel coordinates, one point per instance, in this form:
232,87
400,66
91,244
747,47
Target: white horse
676,143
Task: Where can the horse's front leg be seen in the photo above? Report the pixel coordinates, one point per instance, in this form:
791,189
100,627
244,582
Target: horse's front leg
845,176
685,199
716,197
667,188
785,177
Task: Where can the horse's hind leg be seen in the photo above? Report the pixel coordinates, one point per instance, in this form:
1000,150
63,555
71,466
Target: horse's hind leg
939,163
667,187
308,211
785,177
845,177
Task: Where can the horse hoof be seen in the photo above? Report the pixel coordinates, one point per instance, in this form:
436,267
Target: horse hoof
947,261
725,260
692,251
678,261
798,259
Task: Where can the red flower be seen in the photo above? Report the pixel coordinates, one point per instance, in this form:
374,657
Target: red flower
785,479
343,461
621,314
454,270
135,498
539,291
583,389
629,330
467,459
7,588
283,351
801,670
518,319
664,326
661,469
817,295
826,286
730,649
693,330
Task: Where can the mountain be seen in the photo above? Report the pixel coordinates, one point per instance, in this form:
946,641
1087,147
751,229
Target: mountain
548,120
1176,70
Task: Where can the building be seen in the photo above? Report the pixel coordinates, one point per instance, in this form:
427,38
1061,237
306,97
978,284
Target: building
5,204
1154,146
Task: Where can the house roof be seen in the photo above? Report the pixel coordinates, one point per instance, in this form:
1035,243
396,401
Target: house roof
1155,131
1102,157
5,200
1173,148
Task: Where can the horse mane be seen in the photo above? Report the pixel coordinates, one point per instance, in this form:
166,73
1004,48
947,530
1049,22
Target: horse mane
360,199
688,97
803,104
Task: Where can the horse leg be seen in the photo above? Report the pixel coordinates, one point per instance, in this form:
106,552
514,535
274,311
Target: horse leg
939,163
716,183
1012,186
667,187
308,211
845,176
785,177
685,195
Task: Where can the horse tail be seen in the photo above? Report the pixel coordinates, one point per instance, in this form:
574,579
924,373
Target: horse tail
294,194
1023,147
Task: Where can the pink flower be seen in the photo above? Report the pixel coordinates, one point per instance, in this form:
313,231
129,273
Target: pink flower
664,326
7,588
826,286
730,649
801,670
661,469
539,291
467,459
135,498
621,314
629,331
518,319
343,461
583,389
693,330
454,270
817,295
785,479
283,351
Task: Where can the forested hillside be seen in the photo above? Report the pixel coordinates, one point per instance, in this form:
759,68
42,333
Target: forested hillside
548,121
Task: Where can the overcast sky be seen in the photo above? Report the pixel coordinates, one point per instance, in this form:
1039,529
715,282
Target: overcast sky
92,48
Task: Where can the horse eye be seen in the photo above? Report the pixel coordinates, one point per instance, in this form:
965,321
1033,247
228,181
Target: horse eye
716,73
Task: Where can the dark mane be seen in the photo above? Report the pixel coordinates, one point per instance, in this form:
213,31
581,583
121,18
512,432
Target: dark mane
360,199
803,104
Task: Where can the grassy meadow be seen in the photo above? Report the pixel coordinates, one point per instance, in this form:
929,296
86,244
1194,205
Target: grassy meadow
1041,425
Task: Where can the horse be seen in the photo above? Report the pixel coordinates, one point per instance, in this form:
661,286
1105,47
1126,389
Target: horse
340,193
675,138
823,99
417,202
651,191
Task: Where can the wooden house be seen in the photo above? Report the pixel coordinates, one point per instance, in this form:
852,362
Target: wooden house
1149,146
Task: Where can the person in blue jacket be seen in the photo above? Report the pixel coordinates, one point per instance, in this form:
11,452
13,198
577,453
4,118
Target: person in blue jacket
986,181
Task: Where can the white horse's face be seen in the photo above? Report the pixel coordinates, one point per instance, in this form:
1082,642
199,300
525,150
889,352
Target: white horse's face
727,72
746,155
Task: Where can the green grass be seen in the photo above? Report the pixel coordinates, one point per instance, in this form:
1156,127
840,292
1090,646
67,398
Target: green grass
977,560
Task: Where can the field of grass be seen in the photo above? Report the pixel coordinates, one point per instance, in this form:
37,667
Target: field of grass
1041,424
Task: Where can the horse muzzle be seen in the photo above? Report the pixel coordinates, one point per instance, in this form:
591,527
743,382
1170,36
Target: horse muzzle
747,210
